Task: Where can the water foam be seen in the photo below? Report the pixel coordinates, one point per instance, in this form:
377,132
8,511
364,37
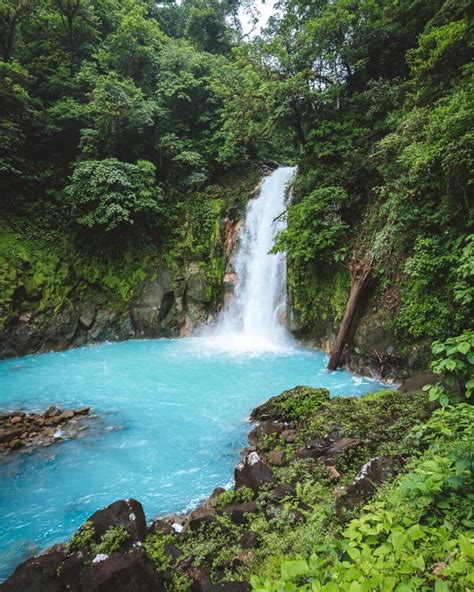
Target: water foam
253,321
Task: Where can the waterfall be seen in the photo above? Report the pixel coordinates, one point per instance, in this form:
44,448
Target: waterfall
253,319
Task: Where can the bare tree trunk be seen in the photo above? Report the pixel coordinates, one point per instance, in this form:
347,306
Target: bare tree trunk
360,271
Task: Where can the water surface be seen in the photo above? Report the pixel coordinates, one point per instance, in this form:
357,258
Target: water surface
171,421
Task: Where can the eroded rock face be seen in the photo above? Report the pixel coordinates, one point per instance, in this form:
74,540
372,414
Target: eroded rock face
38,574
126,513
252,472
133,572
163,305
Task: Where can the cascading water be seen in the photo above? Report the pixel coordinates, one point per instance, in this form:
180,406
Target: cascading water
252,320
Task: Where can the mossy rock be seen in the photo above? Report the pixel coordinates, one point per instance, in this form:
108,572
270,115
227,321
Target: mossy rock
291,405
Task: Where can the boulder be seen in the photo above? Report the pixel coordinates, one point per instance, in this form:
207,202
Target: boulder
250,539
126,513
200,579
417,381
266,428
38,574
276,457
340,447
252,472
372,475
200,517
160,527
238,512
131,572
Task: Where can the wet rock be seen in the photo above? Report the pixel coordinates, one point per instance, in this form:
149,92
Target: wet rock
126,513
200,517
238,512
8,435
133,572
38,574
266,428
252,472
52,411
19,430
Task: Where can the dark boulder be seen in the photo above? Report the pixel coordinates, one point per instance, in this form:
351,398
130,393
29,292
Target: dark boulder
126,513
38,574
238,512
250,539
252,472
372,475
160,527
200,517
130,572
200,579
417,381
266,428
339,447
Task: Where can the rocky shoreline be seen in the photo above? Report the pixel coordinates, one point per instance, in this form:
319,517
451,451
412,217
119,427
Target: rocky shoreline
300,434
26,431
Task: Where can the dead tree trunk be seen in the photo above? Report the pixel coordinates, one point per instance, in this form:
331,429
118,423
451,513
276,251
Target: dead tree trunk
360,271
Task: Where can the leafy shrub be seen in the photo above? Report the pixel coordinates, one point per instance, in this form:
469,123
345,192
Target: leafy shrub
112,540
417,535
234,496
83,538
454,362
110,194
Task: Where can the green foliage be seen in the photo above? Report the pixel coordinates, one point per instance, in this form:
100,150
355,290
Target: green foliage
453,361
299,404
155,547
110,195
421,523
316,230
112,540
295,403
234,496
83,538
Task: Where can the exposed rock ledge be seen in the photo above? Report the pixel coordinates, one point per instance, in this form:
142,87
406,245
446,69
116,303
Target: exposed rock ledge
20,430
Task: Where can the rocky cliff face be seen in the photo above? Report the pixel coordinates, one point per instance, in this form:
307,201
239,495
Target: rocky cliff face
166,304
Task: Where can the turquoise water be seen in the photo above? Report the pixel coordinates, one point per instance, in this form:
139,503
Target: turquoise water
171,421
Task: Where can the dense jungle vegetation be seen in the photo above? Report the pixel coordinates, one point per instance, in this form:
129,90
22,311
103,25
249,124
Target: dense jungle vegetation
126,127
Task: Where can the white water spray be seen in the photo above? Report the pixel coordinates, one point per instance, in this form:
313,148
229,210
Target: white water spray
252,320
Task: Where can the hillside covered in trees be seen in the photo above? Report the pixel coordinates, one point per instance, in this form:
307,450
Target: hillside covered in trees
133,134
128,126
